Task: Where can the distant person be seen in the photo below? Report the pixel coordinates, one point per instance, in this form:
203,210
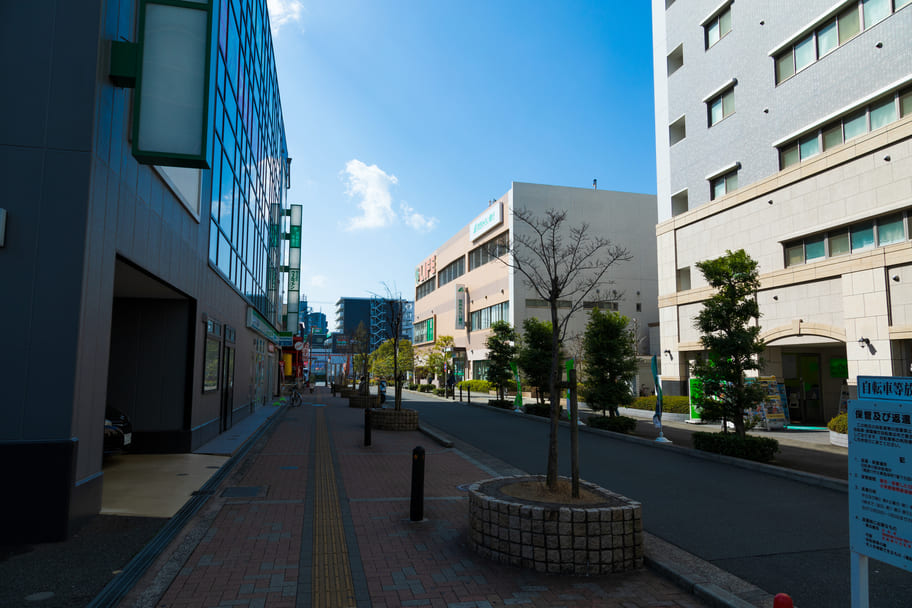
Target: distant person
382,391
451,382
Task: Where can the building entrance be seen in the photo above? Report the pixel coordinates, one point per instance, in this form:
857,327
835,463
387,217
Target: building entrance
801,373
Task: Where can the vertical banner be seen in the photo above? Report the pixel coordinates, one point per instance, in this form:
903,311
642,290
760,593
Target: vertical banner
294,267
460,306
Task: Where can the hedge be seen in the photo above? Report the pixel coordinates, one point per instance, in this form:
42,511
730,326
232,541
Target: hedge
440,392
618,424
672,404
504,404
541,409
476,386
839,424
760,449
425,388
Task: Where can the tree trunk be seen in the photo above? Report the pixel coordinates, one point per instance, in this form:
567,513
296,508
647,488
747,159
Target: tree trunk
555,400
574,435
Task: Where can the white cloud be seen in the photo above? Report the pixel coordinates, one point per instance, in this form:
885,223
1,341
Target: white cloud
371,185
282,12
318,280
416,220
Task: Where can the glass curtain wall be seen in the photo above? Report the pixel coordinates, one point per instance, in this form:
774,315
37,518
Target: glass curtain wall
249,157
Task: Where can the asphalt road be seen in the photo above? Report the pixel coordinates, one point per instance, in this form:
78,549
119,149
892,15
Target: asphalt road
779,534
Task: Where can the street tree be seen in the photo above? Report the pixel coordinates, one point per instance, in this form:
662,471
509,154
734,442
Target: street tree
394,305
563,265
360,344
384,361
534,354
609,361
501,345
440,358
731,339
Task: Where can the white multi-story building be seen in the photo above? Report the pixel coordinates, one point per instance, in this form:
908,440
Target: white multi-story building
784,129
461,289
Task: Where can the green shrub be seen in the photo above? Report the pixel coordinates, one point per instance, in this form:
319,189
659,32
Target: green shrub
440,392
618,424
504,404
760,449
672,404
839,424
425,388
476,386
541,409
413,387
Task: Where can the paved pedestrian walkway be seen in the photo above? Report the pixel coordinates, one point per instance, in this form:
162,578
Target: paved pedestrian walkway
311,517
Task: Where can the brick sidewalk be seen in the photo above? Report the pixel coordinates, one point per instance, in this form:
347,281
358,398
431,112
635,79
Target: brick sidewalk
266,540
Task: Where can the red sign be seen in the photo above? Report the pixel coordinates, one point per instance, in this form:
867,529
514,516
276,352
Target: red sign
426,270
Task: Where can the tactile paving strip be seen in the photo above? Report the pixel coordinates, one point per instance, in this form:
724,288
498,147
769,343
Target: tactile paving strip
332,579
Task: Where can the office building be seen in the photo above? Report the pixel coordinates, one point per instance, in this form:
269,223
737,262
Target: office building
784,129
145,170
378,316
462,287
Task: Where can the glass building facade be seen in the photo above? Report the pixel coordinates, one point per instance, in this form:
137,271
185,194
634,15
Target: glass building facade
249,152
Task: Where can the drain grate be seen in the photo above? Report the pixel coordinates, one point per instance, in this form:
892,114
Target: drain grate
244,492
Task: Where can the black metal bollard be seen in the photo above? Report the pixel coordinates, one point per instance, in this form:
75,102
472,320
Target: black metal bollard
416,513
367,428
460,394
469,390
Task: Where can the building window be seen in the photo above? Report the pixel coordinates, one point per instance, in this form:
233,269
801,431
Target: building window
718,26
722,185
483,318
451,272
480,370
871,117
679,202
424,331
832,32
682,279
212,356
677,131
603,305
424,289
860,236
489,251
721,106
675,59
535,303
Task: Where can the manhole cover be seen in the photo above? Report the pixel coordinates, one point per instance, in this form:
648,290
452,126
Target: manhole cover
244,492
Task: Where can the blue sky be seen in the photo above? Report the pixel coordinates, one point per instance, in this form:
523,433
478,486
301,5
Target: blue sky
405,117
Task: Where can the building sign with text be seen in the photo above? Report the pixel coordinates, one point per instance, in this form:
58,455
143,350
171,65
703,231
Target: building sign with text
426,270
880,470
460,306
486,222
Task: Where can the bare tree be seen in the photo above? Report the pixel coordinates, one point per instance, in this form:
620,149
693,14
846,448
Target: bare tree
563,265
394,311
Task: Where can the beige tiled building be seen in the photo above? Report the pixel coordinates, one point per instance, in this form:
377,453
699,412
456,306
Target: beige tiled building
817,135
460,290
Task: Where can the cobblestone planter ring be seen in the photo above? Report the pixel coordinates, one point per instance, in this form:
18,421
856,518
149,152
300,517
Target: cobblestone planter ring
394,420
599,537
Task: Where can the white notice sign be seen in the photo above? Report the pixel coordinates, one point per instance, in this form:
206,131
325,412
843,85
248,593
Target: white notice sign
880,480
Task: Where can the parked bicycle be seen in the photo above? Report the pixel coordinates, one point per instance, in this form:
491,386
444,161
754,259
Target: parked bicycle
295,396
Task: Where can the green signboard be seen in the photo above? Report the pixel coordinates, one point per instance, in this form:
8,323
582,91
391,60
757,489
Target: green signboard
696,398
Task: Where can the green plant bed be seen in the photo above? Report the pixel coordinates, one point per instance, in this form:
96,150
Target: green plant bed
618,424
476,386
541,409
759,449
413,387
672,404
425,388
505,404
839,424
440,392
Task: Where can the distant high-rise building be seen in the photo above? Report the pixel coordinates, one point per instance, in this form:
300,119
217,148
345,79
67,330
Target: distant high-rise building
378,316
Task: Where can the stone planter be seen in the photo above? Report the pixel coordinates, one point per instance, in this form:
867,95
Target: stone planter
393,420
364,401
840,439
554,538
